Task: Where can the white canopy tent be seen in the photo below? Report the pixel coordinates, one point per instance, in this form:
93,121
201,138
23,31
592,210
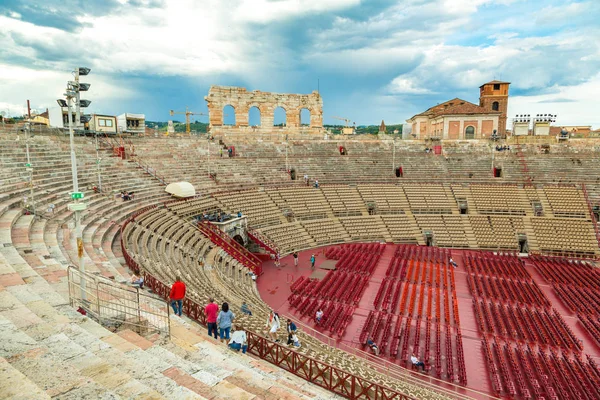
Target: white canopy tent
181,189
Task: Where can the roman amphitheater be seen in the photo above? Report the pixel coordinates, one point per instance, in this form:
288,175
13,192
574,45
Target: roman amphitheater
518,317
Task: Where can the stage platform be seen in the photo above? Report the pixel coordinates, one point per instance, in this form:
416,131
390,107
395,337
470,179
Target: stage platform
274,287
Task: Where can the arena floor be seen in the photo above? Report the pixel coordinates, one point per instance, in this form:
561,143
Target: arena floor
274,287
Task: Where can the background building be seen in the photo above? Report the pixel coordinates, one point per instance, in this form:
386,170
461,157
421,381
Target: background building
103,123
132,123
459,119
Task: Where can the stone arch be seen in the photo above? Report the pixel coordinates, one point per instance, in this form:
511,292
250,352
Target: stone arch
470,132
242,100
305,116
229,117
495,106
280,117
254,116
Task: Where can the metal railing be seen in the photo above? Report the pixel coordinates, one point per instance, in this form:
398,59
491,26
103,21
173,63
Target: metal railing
117,305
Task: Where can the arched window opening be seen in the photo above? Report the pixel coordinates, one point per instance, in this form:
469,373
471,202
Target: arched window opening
229,115
470,132
279,117
304,117
495,106
254,116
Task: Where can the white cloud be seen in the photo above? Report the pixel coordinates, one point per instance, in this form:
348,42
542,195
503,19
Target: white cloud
574,105
403,85
43,87
263,11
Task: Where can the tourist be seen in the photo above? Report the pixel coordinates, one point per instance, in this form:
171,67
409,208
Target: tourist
295,341
239,340
246,309
224,321
319,316
312,262
137,280
295,255
211,311
291,330
416,363
277,262
316,183
273,325
177,295
373,346
453,263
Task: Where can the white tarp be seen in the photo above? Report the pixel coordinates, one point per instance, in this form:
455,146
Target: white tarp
181,189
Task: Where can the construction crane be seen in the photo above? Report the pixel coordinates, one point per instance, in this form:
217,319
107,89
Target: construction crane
187,117
343,119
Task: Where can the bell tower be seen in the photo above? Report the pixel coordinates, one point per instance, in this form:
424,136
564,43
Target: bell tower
493,96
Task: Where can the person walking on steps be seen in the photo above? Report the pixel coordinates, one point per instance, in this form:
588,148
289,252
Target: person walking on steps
177,295
211,311
273,325
224,321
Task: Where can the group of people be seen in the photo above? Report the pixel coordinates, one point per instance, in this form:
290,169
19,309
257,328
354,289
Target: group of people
220,323
414,360
125,195
502,148
277,260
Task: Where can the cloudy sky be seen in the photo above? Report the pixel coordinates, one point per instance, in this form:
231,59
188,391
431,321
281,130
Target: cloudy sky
372,59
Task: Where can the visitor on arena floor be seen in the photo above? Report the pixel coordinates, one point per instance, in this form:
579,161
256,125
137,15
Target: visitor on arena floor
177,295
453,263
246,309
291,330
312,261
295,255
416,363
319,316
239,339
224,321
373,346
211,311
273,325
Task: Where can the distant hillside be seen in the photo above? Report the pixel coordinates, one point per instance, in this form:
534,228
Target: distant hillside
366,129
201,127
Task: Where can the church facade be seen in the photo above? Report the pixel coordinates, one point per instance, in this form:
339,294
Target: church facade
458,119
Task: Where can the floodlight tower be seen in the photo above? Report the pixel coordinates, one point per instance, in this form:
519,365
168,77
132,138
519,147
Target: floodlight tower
541,124
521,125
72,96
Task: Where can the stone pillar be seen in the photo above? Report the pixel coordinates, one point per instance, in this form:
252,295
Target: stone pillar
241,115
478,133
293,117
461,130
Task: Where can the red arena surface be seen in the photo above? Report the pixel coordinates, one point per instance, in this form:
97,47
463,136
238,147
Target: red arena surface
497,325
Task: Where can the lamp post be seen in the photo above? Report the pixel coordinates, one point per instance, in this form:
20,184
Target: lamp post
98,160
394,155
287,167
29,167
72,94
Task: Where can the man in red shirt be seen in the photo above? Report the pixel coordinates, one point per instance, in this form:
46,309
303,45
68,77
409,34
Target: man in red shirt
211,310
177,294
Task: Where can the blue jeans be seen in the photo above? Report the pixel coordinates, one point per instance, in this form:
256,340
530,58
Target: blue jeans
237,346
224,332
177,305
212,329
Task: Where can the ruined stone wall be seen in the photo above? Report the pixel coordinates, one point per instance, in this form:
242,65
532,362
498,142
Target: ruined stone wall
242,100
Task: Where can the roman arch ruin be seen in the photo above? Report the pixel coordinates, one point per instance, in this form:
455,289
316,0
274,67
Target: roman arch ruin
242,101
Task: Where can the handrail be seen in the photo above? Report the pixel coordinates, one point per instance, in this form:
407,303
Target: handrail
271,248
243,256
591,210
